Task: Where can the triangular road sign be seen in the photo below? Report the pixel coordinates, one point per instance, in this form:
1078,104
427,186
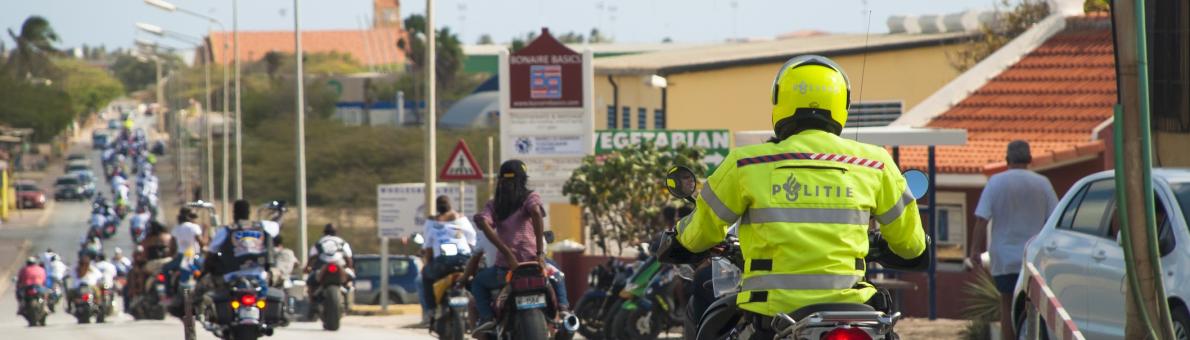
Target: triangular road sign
460,166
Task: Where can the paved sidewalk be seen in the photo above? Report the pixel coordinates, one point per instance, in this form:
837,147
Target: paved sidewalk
12,255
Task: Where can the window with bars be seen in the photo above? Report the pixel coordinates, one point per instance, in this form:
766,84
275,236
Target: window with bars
626,118
642,118
1169,65
658,119
611,117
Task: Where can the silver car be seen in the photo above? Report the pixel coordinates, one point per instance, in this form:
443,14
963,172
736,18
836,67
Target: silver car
1079,255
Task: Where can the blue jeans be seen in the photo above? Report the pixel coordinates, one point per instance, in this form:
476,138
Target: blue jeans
485,281
559,285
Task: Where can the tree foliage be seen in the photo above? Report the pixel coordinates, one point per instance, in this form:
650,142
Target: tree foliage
41,88
44,108
1008,26
344,163
89,87
137,74
34,47
448,56
1096,6
485,39
623,194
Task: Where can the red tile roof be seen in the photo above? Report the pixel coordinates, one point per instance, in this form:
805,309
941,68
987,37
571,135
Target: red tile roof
1053,97
377,46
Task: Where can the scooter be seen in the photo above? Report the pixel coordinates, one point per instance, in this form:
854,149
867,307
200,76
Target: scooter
605,283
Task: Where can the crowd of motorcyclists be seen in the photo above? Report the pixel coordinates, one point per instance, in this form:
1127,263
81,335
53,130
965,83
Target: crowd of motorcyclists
714,273
232,278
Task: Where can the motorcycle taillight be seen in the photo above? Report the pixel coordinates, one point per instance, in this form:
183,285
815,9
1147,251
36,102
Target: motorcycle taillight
86,297
528,283
160,277
846,333
332,268
248,300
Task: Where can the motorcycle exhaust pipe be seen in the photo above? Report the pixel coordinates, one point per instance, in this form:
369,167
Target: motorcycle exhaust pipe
570,322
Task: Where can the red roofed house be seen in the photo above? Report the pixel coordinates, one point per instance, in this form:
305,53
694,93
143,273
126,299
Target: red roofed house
379,45
1054,86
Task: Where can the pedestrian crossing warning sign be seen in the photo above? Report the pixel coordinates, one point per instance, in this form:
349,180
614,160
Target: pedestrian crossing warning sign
460,166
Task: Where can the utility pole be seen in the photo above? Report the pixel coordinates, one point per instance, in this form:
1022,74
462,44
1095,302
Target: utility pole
1147,307
430,115
235,22
301,130
160,95
206,124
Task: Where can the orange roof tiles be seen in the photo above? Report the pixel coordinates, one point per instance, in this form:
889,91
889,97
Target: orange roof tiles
1053,97
376,46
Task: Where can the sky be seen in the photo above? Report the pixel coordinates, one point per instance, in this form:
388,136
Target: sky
111,22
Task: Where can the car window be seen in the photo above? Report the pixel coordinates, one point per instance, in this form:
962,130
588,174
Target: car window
1162,217
1068,213
1182,191
398,267
26,187
67,181
367,267
1091,210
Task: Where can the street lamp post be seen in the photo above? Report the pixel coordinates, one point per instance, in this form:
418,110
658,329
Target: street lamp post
207,53
301,130
431,148
169,7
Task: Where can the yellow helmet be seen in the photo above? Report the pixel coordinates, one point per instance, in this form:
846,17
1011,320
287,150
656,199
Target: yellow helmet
811,87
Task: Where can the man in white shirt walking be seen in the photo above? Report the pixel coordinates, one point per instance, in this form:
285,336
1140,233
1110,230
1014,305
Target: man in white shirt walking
1016,202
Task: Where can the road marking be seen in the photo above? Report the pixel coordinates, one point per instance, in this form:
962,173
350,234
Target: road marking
46,213
6,271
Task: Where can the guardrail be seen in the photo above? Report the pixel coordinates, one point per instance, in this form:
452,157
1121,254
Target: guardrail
1042,302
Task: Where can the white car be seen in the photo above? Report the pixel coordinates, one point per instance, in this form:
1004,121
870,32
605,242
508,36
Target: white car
1078,254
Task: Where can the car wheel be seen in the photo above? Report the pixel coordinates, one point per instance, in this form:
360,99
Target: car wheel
1181,324
1022,325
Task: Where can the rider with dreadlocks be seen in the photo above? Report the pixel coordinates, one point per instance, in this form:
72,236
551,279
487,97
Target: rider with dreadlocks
514,222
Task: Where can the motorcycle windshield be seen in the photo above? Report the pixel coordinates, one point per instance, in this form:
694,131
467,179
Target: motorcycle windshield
725,277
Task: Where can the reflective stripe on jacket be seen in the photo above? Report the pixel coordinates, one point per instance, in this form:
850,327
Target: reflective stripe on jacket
804,207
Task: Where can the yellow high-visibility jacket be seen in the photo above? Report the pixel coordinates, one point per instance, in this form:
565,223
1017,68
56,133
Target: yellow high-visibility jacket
804,207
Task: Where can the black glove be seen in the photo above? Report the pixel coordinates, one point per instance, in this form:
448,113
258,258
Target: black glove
880,253
669,250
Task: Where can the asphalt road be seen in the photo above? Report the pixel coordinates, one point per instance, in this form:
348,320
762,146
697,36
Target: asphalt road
62,231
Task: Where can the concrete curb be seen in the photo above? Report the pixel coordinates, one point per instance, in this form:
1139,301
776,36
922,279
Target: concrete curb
374,310
7,270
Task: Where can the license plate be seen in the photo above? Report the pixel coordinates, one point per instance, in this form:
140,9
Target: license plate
160,288
530,301
462,301
363,285
248,313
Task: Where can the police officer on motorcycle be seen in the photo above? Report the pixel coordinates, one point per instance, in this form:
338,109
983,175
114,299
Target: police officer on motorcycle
803,201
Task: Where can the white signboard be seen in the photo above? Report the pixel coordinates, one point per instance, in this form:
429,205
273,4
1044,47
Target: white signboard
552,141
401,209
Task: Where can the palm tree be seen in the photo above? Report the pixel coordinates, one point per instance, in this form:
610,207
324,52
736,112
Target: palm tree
35,44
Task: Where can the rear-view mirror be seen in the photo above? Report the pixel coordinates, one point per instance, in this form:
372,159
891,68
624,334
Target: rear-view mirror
918,183
681,182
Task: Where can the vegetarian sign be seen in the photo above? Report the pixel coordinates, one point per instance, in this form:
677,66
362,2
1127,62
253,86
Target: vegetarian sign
716,142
